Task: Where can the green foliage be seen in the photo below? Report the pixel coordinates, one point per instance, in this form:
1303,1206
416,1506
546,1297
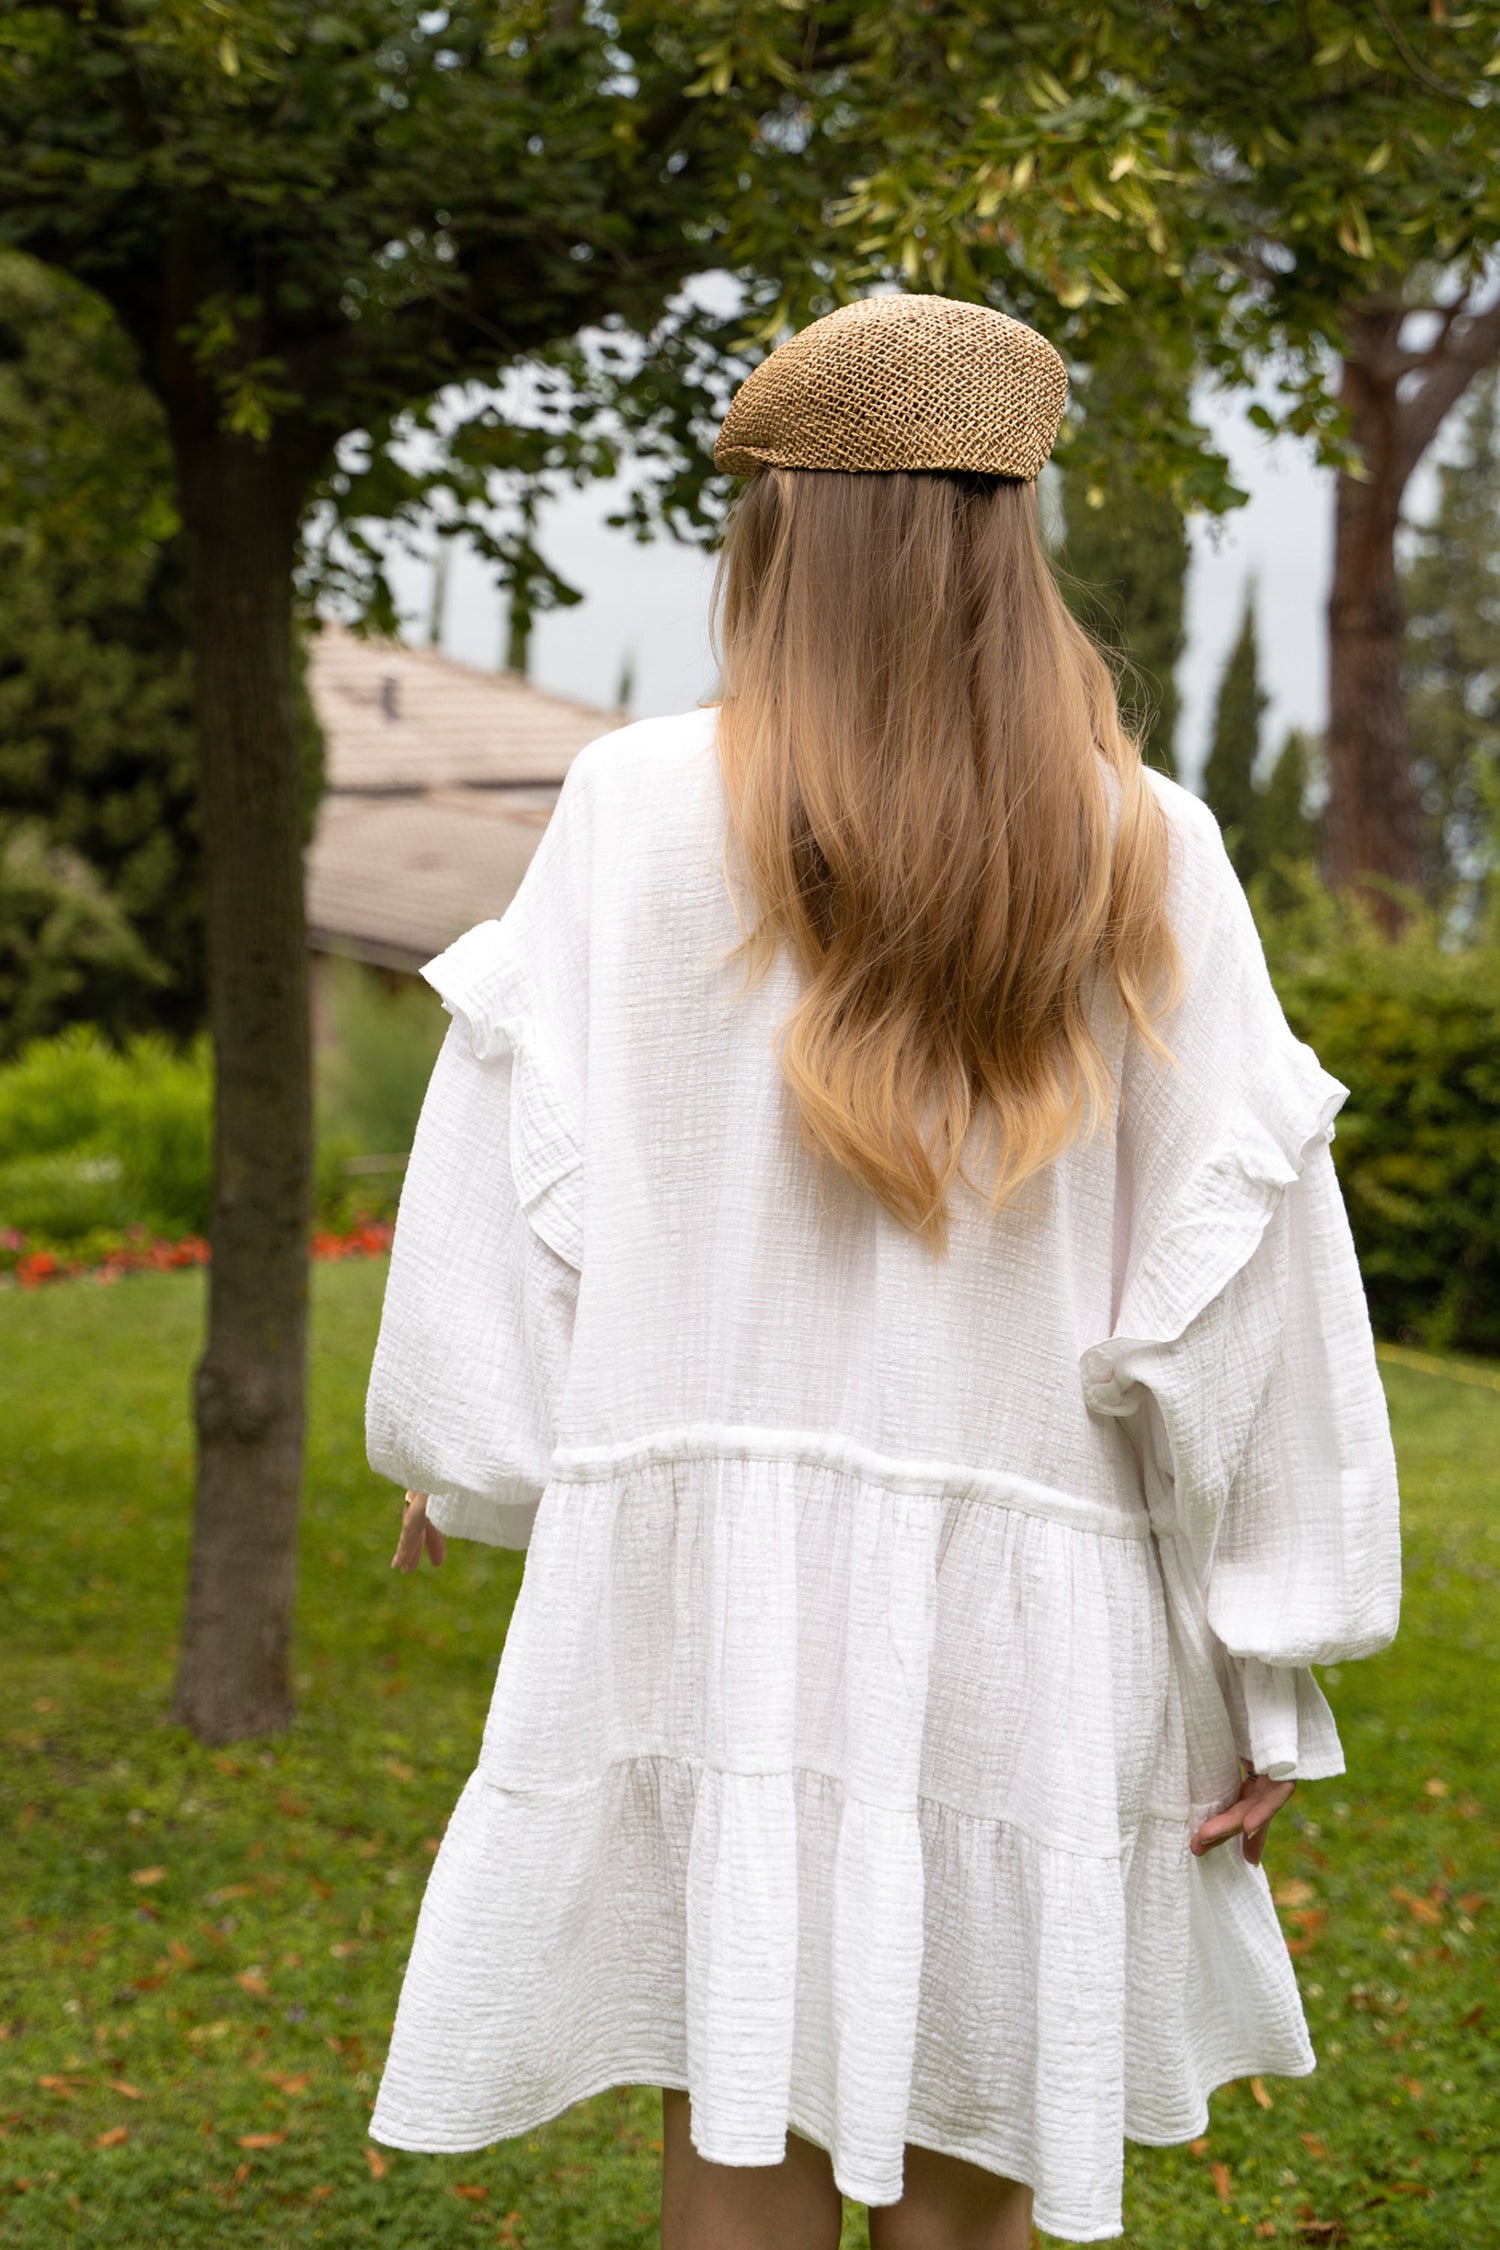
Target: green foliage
382,1034
96,748
66,945
1267,831
249,1990
101,906
95,1139
1234,744
1126,557
1451,588
1413,1031
98,1141
1282,829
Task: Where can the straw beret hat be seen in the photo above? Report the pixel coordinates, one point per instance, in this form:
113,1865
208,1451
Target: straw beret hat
900,382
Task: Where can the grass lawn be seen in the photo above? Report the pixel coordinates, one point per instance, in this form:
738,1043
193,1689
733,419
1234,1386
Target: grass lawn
203,1949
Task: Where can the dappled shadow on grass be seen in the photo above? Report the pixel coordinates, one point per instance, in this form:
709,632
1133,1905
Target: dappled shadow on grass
205,1947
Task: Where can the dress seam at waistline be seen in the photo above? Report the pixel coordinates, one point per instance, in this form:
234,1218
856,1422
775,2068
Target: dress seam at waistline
929,1479
1102,1855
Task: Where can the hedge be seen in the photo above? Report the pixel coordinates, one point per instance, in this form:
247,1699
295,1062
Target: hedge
1412,1028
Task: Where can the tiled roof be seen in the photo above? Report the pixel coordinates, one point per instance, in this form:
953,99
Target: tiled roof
403,718
440,781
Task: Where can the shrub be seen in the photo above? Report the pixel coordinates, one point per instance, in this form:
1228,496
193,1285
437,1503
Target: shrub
93,1137
1413,1030
97,1141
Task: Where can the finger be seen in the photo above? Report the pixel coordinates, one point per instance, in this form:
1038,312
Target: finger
1265,1803
1218,1829
409,1546
437,1545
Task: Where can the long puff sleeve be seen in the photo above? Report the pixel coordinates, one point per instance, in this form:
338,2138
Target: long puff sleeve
477,1324
1242,1358
477,1327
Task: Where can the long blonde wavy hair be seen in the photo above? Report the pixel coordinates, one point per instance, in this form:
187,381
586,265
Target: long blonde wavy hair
916,739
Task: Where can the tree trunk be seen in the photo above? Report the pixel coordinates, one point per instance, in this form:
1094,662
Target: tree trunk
242,503
1373,822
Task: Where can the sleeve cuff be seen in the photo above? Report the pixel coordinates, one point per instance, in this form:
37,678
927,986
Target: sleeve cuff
1284,1726
502,1522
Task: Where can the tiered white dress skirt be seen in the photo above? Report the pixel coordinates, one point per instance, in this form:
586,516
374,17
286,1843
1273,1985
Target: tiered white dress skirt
850,1795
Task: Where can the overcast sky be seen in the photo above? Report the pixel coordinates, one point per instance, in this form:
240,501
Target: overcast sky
648,606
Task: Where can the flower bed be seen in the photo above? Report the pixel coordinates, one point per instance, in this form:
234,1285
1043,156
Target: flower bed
31,1264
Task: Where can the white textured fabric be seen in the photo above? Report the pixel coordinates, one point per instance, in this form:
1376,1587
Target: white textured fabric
888,1622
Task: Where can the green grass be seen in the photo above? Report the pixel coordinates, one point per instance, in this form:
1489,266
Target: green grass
245,1992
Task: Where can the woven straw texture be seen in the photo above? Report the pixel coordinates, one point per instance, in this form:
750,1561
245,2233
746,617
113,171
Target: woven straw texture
901,383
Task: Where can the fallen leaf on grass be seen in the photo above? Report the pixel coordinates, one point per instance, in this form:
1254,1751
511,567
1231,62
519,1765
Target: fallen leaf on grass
344,1948
1413,2086
251,1981
290,2082
1423,1909
123,2086
473,2194
145,1875
1258,2089
400,1769
1475,2015
509,2227
377,2164
319,2194
1315,2147
1267,2230
1222,2181
1435,1787
261,2140
228,1891
1408,2187
1472,1901
114,2138
1198,2148
1294,1893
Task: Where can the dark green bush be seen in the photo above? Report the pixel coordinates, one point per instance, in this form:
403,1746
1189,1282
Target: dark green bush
1413,1030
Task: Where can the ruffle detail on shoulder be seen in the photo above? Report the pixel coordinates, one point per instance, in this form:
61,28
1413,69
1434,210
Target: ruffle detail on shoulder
487,989
1212,1226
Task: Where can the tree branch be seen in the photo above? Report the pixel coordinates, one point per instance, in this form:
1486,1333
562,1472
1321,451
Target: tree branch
1466,351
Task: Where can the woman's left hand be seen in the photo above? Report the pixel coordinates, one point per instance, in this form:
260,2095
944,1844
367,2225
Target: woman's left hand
1250,1816
417,1533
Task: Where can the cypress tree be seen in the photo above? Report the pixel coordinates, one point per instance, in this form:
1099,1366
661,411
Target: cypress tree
1125,560
1282,827
1229,775
1451,589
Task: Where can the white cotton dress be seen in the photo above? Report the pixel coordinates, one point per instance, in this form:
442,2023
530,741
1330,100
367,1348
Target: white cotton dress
888,1622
